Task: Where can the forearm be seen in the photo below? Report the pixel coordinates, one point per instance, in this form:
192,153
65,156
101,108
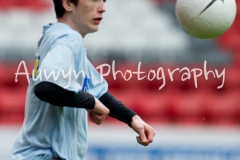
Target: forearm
56,95
117,109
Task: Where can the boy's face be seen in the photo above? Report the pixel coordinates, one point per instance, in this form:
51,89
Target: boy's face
87,15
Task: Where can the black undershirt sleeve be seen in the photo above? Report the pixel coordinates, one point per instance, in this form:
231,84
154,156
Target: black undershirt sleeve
117,109
56,95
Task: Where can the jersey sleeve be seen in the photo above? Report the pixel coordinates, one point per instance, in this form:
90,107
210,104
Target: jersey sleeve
58,67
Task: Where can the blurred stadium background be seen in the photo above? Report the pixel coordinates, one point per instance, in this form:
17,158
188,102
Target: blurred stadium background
191,124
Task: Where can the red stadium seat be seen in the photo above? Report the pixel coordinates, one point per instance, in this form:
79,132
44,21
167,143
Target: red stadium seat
236,58
39,5
152,106
12,104
125,78
6,5
230,39
128,98
189,108
232,78
223,108
8,76
2,74
190,84
162,77
36,5
119,82
22,79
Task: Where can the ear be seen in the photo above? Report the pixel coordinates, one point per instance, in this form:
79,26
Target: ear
67,5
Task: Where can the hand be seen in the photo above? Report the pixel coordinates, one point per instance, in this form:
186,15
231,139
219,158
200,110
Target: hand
146,132
99,113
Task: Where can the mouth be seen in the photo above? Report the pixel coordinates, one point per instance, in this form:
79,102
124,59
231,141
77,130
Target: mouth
97,20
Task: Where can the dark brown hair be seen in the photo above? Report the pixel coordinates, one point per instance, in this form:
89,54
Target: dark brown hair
59,7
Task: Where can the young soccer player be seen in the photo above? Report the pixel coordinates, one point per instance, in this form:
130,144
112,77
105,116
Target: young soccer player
55,123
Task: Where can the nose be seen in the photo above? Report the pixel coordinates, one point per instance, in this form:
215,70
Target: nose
102,8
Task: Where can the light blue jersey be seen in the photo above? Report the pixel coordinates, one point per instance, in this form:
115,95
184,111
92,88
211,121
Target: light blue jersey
51,131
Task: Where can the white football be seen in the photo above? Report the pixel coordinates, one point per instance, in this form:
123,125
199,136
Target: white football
205,18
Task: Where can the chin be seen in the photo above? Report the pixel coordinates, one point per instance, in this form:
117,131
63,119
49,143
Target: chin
94,28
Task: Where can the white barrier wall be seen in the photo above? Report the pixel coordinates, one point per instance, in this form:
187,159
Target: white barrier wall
108,142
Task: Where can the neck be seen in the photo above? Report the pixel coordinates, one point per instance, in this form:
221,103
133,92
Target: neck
69,22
